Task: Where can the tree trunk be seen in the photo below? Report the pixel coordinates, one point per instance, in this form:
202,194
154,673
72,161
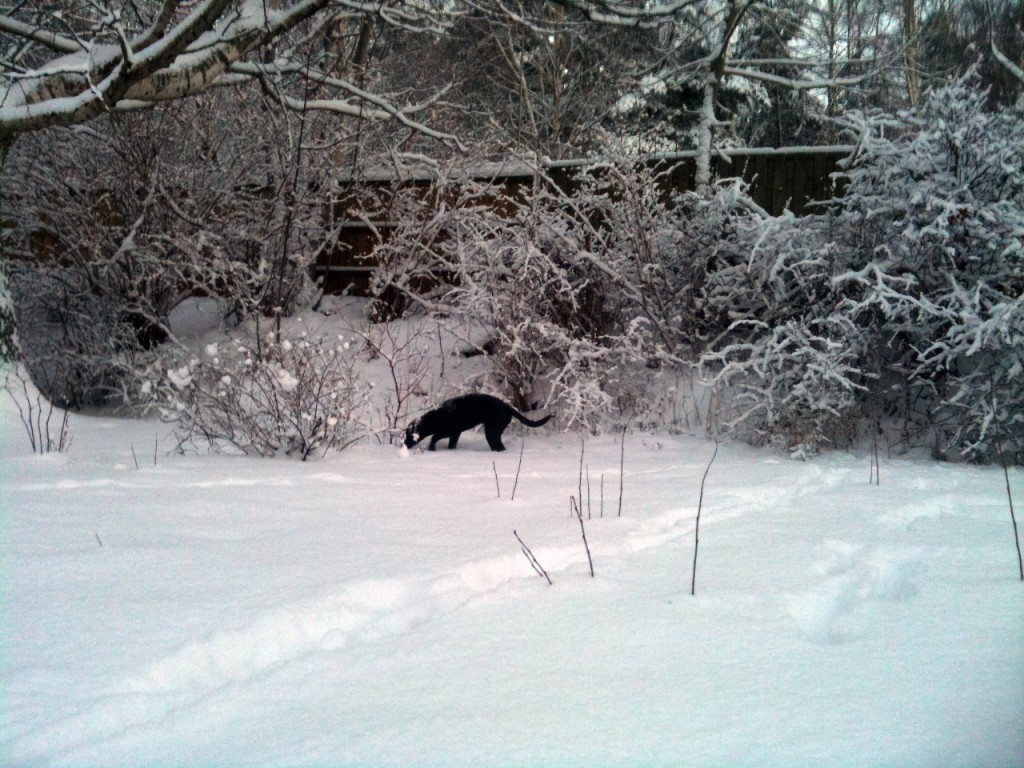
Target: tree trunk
716,71
911,53
702,178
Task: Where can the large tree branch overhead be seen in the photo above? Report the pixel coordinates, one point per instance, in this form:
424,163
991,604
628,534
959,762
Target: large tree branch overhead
67,67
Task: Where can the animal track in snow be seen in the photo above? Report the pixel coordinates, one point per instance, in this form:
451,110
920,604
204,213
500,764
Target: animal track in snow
358,612
855,576
370,609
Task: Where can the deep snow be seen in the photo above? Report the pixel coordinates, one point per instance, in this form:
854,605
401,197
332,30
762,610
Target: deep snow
375,609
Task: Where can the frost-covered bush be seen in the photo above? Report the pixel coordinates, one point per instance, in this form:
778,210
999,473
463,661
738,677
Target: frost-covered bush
105,231
521,276
901,306
8,342
403,352
787,367
645,249
649,253
518,267
298,398
933,232
795,385
414,267
595,293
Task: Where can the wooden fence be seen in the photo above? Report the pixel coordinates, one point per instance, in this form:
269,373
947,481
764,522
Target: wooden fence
778,179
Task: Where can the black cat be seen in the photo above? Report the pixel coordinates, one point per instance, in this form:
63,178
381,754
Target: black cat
457,415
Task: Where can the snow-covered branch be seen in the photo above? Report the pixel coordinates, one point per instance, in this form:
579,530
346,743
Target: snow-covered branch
622,14
795,84
380,109
33,33
106,77
105,68
1014,70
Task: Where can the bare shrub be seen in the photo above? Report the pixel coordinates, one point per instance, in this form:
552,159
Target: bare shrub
45,425
299,398
405,351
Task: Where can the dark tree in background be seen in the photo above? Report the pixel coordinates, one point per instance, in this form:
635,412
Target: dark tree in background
956,35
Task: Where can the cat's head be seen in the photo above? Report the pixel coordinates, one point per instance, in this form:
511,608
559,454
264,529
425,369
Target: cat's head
411,434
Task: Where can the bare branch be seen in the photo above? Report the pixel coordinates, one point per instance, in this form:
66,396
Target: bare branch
794,62
159,26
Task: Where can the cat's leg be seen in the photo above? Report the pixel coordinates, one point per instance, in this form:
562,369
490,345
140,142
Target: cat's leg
453,441
492,431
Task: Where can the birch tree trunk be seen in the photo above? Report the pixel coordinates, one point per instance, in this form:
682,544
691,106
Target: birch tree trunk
704,138
735,9
911,53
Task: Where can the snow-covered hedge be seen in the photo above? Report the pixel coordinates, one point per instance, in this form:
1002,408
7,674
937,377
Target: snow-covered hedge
933,225
897,307
903,304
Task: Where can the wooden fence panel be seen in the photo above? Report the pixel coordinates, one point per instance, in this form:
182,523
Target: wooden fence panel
792,178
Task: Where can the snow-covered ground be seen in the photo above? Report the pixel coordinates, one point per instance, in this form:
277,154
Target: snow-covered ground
375,608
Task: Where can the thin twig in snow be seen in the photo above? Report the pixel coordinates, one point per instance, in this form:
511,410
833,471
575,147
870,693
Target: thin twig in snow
622,462
875,468
518,468
583,531
583,448
696,530
1009,495
1013,517
588,492
532,560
